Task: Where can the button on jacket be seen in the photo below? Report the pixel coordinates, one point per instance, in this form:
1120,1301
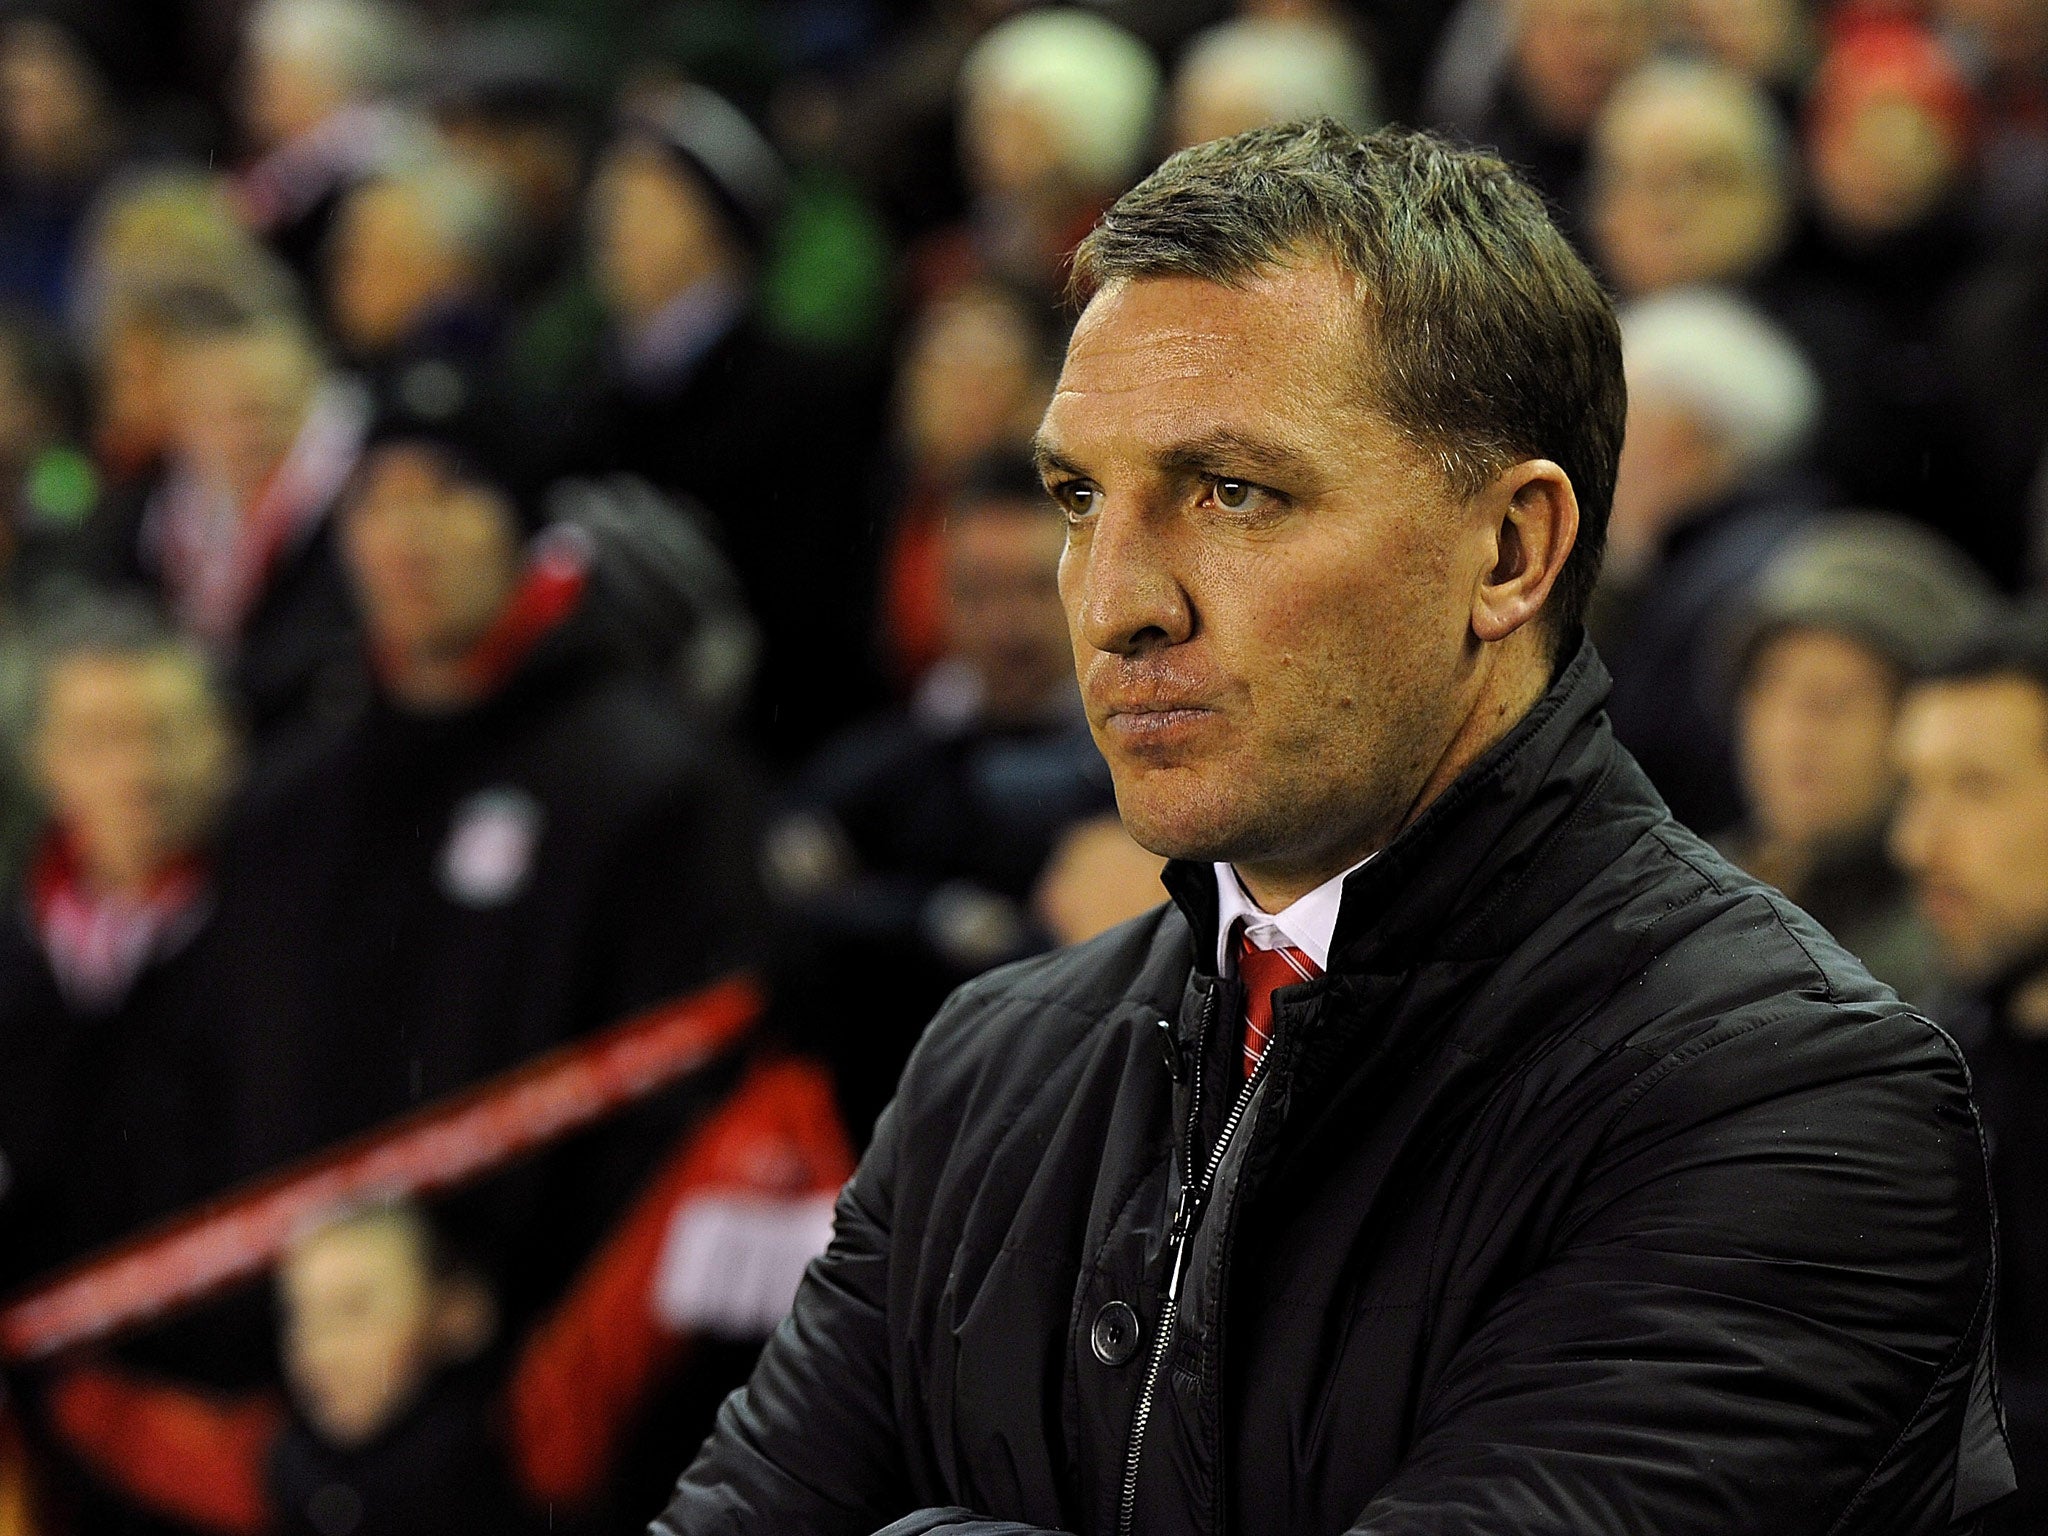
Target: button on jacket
1592,1189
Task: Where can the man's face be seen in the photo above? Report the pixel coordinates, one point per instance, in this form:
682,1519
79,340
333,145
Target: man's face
1679,196
359,1304
434,555
1003,601
654,232
1813,732
1972,825
1269,590
134,757
392,262
238,403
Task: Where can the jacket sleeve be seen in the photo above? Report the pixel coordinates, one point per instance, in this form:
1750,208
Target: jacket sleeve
809,1447
1766,1310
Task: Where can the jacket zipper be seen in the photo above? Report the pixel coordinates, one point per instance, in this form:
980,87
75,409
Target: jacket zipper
1194,1199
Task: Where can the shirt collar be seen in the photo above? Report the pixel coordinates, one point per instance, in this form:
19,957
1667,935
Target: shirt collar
1306,923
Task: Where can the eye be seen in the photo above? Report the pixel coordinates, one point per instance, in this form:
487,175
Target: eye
1076,498
1234,495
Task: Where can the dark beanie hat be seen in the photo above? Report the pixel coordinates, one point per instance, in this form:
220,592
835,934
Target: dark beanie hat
435,404
714,142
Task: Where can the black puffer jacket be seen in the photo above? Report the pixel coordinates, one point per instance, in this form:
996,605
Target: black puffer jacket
1593,1190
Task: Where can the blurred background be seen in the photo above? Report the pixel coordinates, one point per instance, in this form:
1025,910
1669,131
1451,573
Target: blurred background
512,511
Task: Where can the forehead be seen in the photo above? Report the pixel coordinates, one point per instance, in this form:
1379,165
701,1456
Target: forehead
1982,721
1162,359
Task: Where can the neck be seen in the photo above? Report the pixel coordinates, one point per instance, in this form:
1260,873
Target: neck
122,871
1509,689
432,679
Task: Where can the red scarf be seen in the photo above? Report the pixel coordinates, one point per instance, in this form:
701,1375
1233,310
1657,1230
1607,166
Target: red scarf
99,942
556,574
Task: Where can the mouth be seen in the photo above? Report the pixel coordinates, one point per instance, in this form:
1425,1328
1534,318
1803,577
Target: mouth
1150,728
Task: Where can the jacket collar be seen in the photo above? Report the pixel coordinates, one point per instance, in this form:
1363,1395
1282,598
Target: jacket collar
1466,877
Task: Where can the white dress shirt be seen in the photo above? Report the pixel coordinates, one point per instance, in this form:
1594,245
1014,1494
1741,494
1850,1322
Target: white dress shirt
1306,924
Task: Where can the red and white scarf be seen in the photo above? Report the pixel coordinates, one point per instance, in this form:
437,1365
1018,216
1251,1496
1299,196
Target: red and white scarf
99,942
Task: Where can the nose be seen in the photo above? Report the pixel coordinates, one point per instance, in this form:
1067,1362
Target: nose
1122,582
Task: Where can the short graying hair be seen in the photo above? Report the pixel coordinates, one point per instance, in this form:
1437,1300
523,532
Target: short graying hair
1490,339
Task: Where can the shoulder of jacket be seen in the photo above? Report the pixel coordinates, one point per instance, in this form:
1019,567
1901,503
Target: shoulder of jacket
1018,1022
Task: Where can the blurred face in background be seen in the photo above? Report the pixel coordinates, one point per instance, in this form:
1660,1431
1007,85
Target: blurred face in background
1570,53
1813,736
1972,824
973,381
1883,164
654,232
134,755
434,554
1003,605
1682,194
392,264
238,403
55,116
1013,148
362,1325
287,92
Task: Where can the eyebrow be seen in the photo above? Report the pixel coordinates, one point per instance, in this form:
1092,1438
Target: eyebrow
1223,452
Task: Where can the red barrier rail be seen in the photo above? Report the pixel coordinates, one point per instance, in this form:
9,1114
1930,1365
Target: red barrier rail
435,1148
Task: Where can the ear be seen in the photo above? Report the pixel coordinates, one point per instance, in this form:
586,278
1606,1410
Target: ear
1531,521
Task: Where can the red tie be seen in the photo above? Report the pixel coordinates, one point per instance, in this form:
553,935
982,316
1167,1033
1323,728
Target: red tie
1261,971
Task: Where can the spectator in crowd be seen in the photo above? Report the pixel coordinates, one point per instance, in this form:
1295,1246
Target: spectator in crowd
519,839
1057,112
1251,71
975,376
399,1414
1771,42
506,101
103,1118
1720,406
411,278
1692,179
60,137
1972,829
1845,613
153,242
317,112
2004,46
698,396
1888,133
235,537
917,840
1565,58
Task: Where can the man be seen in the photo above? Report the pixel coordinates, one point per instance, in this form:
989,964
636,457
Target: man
911,853
101,963
235,537
695,391
1843,615
1583,1185
519,839
1972,829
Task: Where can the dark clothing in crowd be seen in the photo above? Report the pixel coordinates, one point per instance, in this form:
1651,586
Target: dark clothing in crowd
293,661
777,444
1591,1177
104,1126
946,824
2009,1069
1890,435
1667,642
433,898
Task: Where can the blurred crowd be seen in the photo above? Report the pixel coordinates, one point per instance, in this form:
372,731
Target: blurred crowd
512,510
